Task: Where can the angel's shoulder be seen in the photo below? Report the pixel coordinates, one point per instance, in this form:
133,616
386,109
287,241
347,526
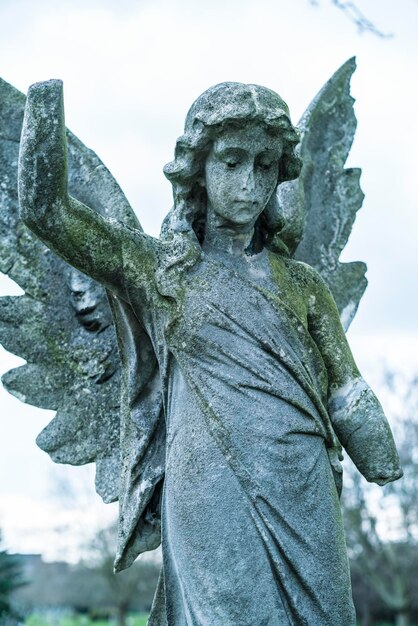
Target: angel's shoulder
308,282
302,275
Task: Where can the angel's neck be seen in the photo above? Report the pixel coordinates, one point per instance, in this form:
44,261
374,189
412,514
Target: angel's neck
223,237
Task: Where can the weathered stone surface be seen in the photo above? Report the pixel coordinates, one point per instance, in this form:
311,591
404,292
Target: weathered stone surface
237,382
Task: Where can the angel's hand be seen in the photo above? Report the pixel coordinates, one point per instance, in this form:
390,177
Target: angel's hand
43,154
384,480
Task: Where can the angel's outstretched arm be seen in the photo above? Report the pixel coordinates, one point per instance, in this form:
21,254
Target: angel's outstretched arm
356,414
93,244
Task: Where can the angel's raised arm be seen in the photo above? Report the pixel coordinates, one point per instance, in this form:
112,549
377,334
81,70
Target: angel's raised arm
88,241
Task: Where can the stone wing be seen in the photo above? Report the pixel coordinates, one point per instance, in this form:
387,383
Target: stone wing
63,324
320,207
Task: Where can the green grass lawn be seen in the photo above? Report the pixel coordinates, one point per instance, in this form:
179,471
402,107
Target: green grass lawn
133,620
39,620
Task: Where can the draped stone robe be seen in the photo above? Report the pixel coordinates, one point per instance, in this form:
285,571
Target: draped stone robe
251,525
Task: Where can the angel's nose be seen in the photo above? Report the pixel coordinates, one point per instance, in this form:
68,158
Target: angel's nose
248,179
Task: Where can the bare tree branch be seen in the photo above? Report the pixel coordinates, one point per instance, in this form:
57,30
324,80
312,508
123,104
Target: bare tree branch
357,17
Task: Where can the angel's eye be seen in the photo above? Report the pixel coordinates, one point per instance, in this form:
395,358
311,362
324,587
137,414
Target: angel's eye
230,157
265,166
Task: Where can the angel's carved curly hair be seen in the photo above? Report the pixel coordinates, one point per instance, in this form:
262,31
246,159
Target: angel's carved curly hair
225,106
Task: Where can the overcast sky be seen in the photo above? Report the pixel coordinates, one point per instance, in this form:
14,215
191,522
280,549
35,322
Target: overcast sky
130,71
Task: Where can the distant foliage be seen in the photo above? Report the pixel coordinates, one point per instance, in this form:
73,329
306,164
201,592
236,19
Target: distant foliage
90,590
10,580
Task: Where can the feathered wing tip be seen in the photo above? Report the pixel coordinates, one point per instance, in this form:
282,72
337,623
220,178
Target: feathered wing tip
320,207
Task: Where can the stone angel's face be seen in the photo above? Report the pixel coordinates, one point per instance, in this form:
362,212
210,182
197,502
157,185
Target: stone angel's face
241,173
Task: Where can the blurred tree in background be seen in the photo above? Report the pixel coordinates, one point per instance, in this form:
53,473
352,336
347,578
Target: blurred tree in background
384,560
10,580
90,587
133,587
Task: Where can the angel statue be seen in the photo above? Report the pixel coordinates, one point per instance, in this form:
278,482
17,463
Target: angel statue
206,372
